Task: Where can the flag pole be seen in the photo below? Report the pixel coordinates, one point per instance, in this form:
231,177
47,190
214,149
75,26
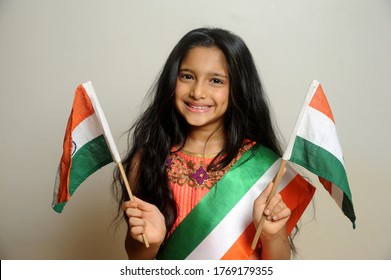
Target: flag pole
276,182
110,141
125,179
287,154
285,157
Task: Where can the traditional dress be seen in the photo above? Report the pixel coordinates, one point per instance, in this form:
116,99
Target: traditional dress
215,207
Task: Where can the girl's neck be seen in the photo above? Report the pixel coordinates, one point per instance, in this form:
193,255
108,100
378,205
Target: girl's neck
204,141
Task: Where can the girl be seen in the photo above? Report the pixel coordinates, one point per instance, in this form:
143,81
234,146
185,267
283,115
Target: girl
208,111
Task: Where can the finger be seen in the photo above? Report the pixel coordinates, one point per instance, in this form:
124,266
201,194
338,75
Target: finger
136,222
137,231
277,209
285,212
272,203
136,227
143,205
125,205
265,193
274,200
128,204
137,203
134,212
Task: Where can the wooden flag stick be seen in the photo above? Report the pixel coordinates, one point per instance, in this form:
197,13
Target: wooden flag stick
276,182
124,177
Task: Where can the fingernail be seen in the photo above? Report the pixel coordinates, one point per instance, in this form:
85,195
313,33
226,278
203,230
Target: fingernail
274,218
267,212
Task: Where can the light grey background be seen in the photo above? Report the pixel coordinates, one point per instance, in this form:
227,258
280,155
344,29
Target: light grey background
47,48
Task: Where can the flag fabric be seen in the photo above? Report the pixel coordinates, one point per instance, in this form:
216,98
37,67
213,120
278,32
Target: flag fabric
220,226
88,145
314,144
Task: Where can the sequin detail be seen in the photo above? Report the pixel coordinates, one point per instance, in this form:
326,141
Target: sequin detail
200,175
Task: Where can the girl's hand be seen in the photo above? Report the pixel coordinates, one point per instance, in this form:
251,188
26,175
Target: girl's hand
145,218
277,213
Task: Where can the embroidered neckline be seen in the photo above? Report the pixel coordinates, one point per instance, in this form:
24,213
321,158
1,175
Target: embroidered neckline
199,155
186,168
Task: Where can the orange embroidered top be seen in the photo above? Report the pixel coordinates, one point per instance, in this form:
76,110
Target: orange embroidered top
190,180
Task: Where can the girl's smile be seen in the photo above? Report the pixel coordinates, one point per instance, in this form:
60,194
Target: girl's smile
198,107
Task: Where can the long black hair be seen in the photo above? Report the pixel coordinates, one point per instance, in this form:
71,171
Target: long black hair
161,127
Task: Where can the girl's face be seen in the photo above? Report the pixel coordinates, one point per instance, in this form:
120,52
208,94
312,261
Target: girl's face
202,88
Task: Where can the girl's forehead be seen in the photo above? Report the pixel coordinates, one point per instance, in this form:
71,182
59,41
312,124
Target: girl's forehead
201,55
205,49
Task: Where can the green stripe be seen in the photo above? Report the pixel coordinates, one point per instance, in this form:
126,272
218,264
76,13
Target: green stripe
321,162
324,164
87,160
217,203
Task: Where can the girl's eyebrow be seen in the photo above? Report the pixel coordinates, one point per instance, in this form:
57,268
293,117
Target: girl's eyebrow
220,75
185,70
217,74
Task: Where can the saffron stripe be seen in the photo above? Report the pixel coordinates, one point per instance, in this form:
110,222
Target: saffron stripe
238,251
320,130
61,192
297,195
320,103
217,203
81,108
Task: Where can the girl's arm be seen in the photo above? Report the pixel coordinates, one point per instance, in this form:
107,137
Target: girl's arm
276,247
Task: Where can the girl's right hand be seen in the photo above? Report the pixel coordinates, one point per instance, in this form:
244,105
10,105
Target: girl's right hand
145,218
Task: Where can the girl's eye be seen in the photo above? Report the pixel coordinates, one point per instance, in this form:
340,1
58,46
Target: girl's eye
186,76
217,81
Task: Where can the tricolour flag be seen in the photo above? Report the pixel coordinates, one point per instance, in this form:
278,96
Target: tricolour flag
220,226
88,145
314,144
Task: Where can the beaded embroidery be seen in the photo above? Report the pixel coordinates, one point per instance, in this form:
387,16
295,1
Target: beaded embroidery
188,169
200,175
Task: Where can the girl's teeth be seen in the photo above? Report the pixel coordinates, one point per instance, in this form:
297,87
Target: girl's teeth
199,107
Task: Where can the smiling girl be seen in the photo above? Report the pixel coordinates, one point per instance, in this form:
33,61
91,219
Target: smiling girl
190,154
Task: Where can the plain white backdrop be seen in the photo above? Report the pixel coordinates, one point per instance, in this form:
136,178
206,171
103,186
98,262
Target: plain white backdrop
47,48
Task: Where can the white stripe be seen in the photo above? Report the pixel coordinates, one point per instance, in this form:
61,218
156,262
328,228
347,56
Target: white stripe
102,119
310,93
317,128
86,131
220,240
337,194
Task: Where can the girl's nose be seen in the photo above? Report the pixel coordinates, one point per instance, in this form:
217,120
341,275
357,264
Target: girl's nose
198,91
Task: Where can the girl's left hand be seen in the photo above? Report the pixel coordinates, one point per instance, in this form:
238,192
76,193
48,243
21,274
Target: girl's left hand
277,213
